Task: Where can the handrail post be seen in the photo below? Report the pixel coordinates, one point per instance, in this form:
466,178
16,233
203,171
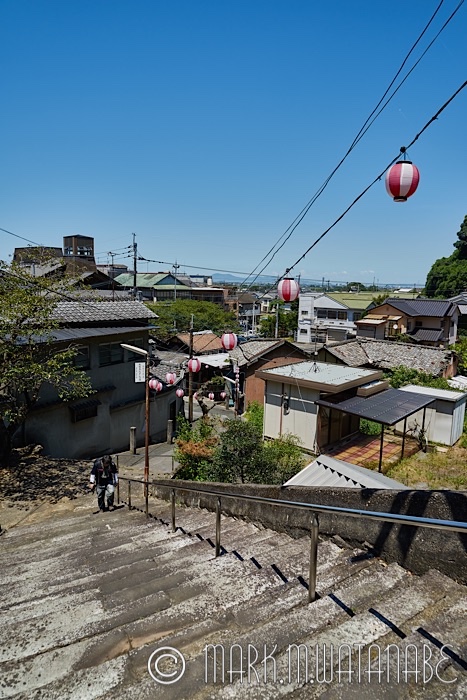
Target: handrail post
172,498
146,497
218,527
313,558
118,493
129,494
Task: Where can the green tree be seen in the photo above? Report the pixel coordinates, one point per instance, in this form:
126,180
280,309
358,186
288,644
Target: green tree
195,448
448,276
255,414
460,348
288,322
401,376
29,355
175,317
236,457
379,299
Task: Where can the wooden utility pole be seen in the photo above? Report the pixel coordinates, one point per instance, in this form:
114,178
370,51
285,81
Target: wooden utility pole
135,257
190,377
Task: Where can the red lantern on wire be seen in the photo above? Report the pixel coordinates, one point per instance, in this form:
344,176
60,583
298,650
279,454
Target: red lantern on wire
223,395
288,289
229,341
155,385
195,395
211,396
170,377
402,180
180,393
194,365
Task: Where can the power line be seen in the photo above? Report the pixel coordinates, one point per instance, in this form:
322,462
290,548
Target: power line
377,178
41,245
367,124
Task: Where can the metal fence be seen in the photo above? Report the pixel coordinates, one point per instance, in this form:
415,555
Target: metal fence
314,508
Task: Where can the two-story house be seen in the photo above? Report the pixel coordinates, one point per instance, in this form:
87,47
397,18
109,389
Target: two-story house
322,319
426,321
101,422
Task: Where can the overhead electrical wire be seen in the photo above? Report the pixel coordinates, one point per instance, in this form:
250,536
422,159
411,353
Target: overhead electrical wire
378,177
367,124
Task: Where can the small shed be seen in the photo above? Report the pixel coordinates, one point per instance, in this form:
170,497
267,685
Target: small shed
444,420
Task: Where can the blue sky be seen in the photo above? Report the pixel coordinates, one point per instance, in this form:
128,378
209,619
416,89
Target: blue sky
205,127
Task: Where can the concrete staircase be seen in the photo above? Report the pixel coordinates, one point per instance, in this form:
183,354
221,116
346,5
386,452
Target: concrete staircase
88,599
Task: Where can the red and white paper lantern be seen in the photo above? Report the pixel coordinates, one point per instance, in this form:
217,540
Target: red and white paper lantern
211,396
155,385
229,341
194,365
402,180
170,377
180,393
195,395
223,395
288,289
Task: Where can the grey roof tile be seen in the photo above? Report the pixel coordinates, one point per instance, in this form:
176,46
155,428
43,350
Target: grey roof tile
386,354
97,311
421,307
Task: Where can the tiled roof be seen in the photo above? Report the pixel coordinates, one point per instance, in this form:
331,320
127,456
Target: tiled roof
427,335
97,311
421,307
386,354
202,342
253,349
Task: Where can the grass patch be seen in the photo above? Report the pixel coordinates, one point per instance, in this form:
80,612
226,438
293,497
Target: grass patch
438,470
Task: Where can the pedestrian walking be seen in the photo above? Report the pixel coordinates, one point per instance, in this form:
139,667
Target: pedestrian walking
103,479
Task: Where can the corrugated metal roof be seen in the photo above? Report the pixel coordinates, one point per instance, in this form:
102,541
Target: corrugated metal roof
368,321
463,309
444,394
220,359
388,407
328,471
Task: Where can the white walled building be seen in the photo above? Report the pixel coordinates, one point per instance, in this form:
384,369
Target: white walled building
321,319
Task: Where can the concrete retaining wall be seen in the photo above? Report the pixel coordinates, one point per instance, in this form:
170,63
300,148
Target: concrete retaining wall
417,549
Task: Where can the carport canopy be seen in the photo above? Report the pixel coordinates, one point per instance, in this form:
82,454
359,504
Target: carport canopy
388,407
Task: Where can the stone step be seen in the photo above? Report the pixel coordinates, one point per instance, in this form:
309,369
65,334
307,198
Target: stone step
84,609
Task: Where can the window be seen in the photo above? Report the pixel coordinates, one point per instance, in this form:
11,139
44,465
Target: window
81,359
304,312
357,316
418,324
332,313
133,356
85,410
322,313
303,331
342,315
110,354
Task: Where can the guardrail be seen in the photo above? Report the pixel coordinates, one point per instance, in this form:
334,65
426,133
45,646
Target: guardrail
314,508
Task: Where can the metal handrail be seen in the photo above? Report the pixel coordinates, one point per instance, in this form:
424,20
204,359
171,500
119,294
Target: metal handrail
315,508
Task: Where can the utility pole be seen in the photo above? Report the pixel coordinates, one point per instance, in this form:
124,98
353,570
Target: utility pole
135,257
175,266
112,255
190,377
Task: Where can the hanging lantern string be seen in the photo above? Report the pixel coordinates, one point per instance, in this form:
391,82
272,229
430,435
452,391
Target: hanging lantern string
377,178
380,107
